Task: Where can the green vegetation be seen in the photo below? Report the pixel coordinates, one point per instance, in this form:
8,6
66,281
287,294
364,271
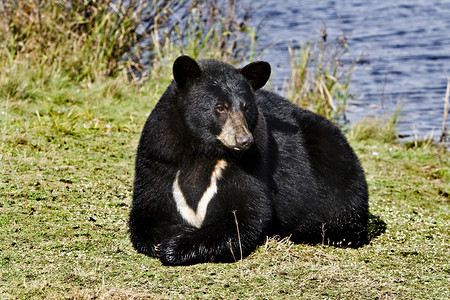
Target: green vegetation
67,153
87,40
319,80
67,159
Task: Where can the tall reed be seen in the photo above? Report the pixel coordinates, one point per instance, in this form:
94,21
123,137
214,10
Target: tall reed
319,80
443,137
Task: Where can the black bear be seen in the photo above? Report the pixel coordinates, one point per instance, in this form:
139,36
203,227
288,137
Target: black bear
221,164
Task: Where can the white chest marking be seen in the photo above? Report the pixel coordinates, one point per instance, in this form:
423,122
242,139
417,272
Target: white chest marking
195,218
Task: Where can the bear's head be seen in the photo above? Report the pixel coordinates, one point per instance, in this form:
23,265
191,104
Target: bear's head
218,101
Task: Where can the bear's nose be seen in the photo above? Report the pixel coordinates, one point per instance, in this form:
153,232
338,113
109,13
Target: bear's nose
244,142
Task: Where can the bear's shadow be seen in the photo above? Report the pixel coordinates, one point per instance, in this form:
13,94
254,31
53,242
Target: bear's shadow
375,227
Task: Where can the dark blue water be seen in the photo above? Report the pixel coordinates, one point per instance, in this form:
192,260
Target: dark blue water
405,46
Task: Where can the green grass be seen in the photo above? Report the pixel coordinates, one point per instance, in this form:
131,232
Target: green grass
66,173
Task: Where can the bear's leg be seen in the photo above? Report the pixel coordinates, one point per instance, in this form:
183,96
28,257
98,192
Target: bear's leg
350,233
354,235
146,237
143,243
219,242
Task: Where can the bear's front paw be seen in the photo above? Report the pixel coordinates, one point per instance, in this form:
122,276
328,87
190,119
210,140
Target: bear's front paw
176,252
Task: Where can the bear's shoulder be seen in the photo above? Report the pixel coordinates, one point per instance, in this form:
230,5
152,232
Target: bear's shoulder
275,107
162,135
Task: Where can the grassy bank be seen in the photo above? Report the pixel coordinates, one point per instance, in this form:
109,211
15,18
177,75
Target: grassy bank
66,170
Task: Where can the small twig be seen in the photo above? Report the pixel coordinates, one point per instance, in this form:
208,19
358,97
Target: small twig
444,131
323,234
239,236
230,244
429,141
240,244
416,137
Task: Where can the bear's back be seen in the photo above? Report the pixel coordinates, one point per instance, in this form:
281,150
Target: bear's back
314,172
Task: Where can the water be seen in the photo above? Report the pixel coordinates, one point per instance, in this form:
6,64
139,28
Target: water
405,46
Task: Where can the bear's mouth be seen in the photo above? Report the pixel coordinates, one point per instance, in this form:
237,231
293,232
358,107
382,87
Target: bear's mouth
243,147
237,144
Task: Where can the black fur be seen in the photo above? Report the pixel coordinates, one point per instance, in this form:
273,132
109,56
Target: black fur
299,178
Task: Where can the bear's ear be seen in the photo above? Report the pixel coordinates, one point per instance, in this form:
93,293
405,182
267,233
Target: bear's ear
257,73
185,69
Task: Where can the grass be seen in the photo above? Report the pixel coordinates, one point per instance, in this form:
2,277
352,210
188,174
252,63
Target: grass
66,173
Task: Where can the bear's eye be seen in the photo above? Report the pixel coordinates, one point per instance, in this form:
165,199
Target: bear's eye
221,109
244,106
